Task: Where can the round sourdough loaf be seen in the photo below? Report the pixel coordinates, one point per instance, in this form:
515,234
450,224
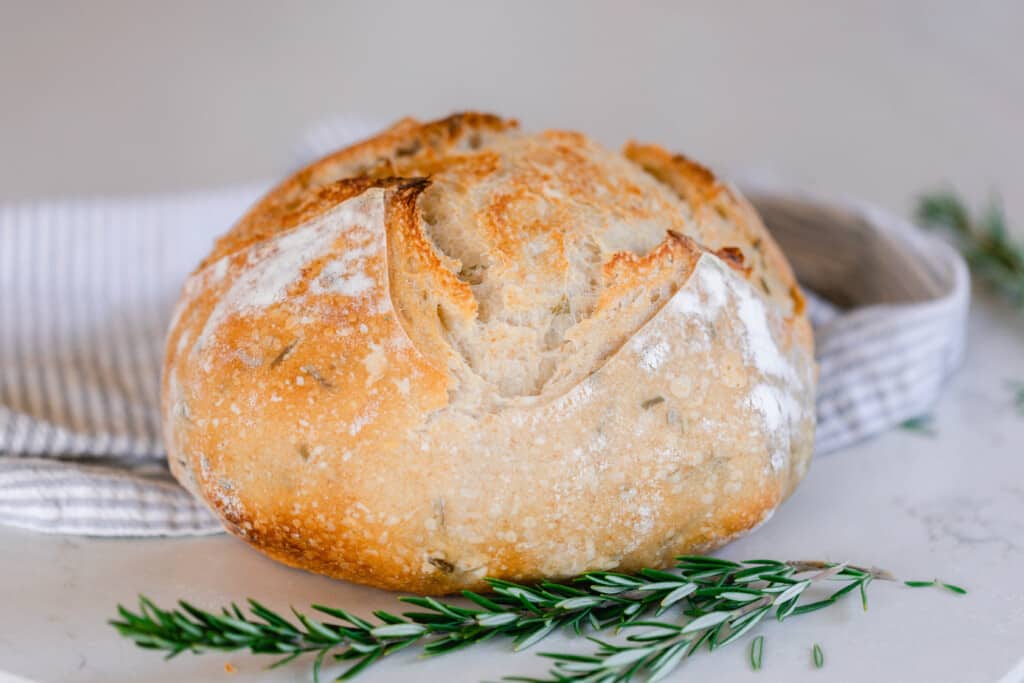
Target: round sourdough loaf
459,350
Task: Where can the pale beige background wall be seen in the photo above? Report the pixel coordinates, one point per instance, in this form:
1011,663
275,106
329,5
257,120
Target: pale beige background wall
876,99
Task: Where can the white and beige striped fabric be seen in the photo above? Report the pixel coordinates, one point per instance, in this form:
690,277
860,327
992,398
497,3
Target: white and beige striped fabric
86,289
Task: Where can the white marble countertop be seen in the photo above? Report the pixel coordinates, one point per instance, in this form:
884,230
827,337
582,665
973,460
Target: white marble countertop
950,505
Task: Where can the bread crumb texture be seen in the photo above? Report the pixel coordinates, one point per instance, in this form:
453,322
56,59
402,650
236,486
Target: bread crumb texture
458,350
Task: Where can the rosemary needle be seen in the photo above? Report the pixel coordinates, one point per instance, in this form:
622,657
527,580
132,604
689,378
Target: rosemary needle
935,582
922,425
819,656
757,652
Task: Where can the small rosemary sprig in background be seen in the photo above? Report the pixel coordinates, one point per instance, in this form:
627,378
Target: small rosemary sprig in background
984,242
1018,396
713,602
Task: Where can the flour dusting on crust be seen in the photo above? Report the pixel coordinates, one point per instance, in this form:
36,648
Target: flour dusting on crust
712,296
273,267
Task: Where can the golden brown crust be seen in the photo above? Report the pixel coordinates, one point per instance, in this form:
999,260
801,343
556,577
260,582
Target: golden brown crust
732,222
741,229
405,145
457,350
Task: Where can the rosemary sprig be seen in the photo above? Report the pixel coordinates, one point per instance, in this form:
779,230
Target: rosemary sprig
713,601
729,600
984,242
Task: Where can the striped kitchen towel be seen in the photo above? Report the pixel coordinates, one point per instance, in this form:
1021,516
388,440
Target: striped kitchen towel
86,289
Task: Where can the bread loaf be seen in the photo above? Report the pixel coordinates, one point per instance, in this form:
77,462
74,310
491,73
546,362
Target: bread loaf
459,350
